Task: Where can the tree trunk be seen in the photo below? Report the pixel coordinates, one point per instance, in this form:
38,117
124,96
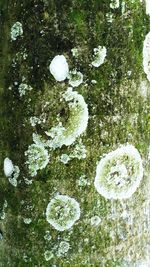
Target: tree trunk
117,96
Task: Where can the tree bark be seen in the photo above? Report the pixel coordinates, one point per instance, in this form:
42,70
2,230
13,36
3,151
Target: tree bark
119,108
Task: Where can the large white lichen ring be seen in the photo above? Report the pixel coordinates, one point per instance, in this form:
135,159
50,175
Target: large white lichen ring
119,173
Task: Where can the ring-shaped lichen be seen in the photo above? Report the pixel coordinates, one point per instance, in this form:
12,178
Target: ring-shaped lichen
119,173
76,123
62,212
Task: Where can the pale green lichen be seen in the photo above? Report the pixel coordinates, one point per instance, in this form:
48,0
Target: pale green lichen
48,255
37,158
47,236
64,158
63,248
119,173
75,78
76,124
62,212
95,220
79,152
16,30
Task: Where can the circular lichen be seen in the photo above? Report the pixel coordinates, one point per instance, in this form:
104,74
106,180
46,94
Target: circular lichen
62,212
119,173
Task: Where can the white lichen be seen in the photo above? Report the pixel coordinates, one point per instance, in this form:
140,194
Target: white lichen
47,236
64,158
114,4
99,56
76,123
27,220
16,30
144,89
83,181
11,171
3,211
14,176
48,255
75,52
59,68
63,248
147,2
119,173
95,220
37,158
8,167
24,88
34,121
62,212
79,152
146,55
75,78
27,181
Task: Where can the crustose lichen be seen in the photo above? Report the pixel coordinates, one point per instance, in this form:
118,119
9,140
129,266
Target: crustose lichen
76,124
119,173
62,212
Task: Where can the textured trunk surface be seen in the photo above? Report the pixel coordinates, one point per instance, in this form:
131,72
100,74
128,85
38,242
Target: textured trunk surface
119,113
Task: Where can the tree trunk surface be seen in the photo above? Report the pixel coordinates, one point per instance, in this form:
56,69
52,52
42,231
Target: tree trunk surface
117,94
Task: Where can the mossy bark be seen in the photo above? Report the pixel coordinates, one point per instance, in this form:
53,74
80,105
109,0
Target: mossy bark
119,113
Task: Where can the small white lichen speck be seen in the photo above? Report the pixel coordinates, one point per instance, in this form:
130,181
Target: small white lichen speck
27,220
114,4
95,220
99,56
24,88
